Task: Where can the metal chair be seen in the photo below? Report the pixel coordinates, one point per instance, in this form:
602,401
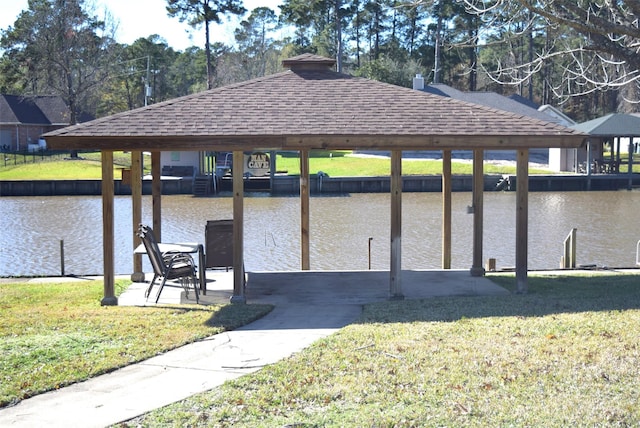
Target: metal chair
171,266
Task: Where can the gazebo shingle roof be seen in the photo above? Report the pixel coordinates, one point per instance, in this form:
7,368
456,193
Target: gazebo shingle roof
310,106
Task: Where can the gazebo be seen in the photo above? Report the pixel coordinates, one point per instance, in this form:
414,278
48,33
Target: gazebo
307,107
609,128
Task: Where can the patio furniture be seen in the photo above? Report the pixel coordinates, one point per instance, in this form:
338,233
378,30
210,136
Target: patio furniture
183,247
170,265
218,236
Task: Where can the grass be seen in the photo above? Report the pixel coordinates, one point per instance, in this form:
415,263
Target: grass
336,165
87,167
52,335
566,354
342,165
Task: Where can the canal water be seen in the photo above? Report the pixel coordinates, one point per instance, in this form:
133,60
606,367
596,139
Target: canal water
347,232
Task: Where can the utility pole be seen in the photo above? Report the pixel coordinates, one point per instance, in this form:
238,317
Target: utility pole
147,86
338,18
436,66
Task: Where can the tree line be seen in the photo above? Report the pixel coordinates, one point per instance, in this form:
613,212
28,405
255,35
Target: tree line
579,55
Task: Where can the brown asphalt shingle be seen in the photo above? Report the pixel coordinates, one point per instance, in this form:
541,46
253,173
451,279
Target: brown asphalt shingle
298,108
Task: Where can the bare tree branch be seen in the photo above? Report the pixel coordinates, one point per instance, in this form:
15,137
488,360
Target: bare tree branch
598,50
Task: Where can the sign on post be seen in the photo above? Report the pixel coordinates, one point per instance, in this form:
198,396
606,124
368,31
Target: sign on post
257,164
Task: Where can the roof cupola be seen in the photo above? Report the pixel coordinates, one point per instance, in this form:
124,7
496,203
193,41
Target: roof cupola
309,62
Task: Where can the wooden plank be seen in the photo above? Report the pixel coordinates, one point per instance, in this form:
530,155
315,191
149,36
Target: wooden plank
156,194
304,210
108,241
446,209
238,228
136,205
323,142
395,286
478,189
429,142
630,164
522,219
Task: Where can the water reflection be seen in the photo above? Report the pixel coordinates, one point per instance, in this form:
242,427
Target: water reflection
341,227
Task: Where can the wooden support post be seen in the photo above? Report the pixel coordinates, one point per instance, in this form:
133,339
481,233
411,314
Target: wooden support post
136,206
478,190
522,219
574,247
589,160
156,194
108,241
238,228
62,257
272,168
304,209
568,260
395,286
618,144
446,209
630,165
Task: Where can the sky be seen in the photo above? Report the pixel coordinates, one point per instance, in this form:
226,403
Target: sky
142,18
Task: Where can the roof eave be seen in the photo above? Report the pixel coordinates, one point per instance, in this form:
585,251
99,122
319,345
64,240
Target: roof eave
311,142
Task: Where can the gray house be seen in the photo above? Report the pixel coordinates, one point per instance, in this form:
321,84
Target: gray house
558,159
23,119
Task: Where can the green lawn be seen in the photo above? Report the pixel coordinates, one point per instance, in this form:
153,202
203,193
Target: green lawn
87,167
341,164
52,335
336,164
566,354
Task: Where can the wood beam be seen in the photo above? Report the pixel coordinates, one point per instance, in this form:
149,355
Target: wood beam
617,145
156,194
630,164
478,208
238,228
304,210
522,219
108,241
136,207
310,142
395,286
432,142
446,209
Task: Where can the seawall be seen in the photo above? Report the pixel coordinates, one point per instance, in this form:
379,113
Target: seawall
86,187
287,185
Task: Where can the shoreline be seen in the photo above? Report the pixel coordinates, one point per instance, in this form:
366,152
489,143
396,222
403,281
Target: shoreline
290,185
593,269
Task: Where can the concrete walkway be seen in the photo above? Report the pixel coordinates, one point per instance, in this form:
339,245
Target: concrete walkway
308,306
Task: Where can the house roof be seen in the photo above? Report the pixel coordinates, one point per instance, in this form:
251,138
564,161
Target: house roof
33,110
514,104
558,114
611,125
310,106
523,100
